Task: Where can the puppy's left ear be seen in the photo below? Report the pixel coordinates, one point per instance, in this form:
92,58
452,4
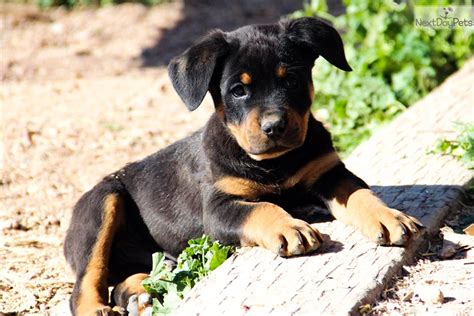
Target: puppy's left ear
192,71
320,38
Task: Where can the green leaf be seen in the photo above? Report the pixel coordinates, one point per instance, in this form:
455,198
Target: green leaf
461,148
219,256
195,262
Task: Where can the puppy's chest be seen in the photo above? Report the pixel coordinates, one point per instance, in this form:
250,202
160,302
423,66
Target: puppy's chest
249,189
300,180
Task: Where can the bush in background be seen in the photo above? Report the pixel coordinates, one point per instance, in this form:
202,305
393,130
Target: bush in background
394,64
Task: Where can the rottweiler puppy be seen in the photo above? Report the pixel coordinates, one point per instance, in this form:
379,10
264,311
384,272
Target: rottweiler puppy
260,156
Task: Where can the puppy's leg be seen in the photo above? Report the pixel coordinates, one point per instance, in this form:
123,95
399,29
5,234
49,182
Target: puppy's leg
263,224
351,201
88,244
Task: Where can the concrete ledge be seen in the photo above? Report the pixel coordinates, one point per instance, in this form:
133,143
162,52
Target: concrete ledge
349,270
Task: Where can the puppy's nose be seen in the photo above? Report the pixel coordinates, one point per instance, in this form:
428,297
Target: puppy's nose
273,124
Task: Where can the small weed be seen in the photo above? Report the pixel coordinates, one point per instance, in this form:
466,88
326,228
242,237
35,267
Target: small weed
195,262
461,148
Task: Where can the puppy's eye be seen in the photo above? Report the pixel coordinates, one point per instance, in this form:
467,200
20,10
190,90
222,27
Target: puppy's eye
291,82
238,91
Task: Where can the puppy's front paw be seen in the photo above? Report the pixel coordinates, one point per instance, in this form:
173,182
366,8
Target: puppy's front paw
292,237
387,226
271,227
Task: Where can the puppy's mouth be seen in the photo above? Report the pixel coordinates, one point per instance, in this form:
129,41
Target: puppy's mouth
274,152
271,149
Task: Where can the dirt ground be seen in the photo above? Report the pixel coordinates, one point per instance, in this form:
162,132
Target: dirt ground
83,93
440,279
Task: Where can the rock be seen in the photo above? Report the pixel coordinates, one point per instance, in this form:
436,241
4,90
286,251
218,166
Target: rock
448,251
456,245
56,28
430,295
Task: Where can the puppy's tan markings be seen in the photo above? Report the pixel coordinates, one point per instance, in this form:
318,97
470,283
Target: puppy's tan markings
362,209
310,173
238,131
311,91
294,119
271,227
93,293
244,188
306,175
301,121
280,71
248,130
245,78
252,125
219,107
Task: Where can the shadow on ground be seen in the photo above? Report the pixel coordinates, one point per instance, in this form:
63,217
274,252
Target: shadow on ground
200,16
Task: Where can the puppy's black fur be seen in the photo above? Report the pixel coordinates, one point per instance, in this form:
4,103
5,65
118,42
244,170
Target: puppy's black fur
260,156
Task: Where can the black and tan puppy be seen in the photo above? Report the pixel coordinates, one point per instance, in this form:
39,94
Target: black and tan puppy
260,156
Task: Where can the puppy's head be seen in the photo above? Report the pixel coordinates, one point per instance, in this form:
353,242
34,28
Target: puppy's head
259,77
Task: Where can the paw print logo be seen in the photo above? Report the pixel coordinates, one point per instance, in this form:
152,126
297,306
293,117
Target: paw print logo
445,11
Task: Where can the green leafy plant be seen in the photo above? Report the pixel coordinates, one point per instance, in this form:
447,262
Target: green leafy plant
461,148
394,64
168,287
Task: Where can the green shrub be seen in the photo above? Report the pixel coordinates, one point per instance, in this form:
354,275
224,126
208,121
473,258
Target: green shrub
394,64
194,263
461,148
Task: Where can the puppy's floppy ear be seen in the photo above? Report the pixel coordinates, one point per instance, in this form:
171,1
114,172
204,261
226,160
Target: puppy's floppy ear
320,38
191,72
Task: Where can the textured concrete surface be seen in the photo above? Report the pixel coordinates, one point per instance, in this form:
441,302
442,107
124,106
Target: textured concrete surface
349,270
